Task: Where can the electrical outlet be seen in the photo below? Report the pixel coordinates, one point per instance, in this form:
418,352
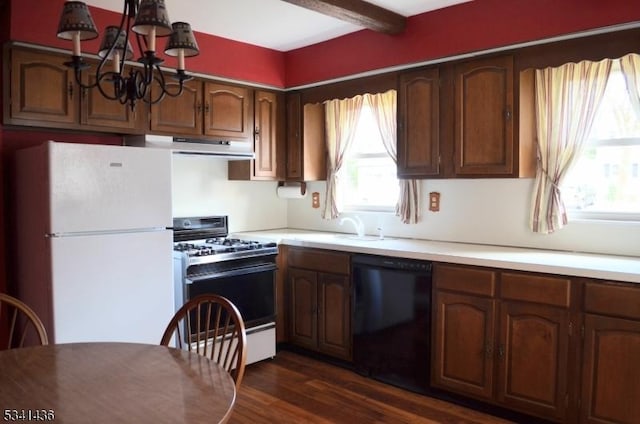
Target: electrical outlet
315,200
434,201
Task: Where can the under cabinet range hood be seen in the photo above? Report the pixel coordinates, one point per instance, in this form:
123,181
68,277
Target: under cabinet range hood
193,146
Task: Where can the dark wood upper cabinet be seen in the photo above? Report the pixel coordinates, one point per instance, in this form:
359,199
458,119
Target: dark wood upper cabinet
99,111
268,140
484,117
228,111
418,124
457,120
206,109
42,91
266,135
180,115
305,140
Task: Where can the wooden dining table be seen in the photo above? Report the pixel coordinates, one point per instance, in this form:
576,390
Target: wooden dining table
112,383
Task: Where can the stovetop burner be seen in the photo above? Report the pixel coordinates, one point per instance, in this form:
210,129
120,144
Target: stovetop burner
204,240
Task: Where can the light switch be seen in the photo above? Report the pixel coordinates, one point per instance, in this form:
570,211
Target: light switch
434,201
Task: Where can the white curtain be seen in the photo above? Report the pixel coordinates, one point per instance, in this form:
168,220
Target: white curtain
630,66
384,109
567,98
341,119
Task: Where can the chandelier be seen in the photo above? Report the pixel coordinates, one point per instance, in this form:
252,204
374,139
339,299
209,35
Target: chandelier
147,19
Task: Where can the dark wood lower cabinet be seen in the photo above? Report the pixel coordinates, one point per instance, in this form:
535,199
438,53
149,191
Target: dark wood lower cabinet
611,371
320,302
463,348
334,315
303,293
504,338
533,359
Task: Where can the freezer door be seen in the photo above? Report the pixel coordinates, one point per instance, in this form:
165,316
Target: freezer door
112,287
108,188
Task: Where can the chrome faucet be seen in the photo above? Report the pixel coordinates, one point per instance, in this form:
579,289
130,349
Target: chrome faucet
357,223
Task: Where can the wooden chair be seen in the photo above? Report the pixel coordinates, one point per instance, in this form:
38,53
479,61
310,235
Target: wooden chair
21,319
211,326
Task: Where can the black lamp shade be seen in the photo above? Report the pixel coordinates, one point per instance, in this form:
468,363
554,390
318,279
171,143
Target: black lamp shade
152,13
113,35
76,20
183,39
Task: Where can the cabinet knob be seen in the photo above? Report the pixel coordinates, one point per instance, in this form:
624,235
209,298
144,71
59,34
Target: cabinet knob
508,114
501,351
488,350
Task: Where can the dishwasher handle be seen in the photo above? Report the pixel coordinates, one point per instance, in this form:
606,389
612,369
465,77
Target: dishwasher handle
413,265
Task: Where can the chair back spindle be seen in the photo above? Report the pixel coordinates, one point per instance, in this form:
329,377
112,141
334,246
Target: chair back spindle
211,326
24,325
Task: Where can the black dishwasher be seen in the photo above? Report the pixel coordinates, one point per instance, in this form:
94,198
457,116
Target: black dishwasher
392,320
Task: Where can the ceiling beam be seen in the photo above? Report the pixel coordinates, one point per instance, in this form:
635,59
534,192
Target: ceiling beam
357,12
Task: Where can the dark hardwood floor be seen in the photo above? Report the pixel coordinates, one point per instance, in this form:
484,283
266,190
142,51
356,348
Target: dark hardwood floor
297,389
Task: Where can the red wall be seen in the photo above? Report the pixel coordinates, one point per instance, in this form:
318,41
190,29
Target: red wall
218,56
473,26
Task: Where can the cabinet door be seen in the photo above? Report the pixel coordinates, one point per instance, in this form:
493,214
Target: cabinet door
228,112
99,111
463,356
418,124
294,136
484,142
334,315
611,371
304,307
306,148
180,115
533,359
43,90
265,137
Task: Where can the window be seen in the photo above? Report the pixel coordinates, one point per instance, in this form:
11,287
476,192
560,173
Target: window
603,183
368,180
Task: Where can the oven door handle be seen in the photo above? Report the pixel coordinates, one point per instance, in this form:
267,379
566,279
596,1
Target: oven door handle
230,273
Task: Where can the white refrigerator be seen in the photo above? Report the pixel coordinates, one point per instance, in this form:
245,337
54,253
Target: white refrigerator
94,247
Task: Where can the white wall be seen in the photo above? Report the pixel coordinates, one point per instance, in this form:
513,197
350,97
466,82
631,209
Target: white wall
200,187
486,211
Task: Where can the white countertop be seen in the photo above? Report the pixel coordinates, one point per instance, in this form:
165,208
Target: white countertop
607,267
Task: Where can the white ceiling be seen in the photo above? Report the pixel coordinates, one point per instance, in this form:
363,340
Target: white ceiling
274,24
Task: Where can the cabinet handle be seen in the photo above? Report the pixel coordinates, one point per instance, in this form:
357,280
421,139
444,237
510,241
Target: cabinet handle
256,132
507,114
199,107
206,108
70,90
501,351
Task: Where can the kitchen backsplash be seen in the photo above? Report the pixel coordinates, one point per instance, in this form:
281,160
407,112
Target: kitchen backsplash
200,187
486,211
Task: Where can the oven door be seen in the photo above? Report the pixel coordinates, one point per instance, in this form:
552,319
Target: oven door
249,286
